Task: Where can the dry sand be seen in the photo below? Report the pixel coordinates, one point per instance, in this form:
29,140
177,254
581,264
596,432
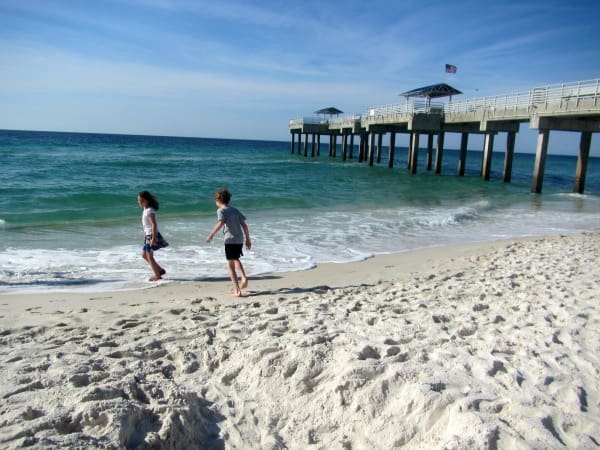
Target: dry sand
476,346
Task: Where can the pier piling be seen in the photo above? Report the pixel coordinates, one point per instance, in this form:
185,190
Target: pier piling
429,157
439,153
414,152
305,144
488,148
462,158
392,150
371,147
508,158
582,161
540,161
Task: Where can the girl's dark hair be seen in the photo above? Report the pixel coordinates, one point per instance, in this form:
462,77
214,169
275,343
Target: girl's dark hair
152,202
223,195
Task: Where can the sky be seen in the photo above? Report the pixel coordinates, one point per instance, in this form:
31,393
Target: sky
229,69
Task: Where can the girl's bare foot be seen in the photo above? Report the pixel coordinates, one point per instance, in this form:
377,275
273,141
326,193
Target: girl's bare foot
244,283
154,278
162,271
236,294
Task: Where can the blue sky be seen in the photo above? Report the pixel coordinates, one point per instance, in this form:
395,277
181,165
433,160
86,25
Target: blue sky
243,69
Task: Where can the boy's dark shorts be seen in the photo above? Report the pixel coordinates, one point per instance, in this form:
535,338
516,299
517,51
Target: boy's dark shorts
233,251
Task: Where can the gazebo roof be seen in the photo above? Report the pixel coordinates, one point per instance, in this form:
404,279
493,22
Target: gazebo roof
433,91
330,110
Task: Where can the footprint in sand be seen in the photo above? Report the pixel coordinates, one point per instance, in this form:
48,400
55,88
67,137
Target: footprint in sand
231,375
128,323
368,352
497,366
80,380
32,414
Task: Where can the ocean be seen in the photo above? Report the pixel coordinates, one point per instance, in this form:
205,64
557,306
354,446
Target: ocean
69,218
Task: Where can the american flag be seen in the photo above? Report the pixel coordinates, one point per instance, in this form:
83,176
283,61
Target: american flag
450,68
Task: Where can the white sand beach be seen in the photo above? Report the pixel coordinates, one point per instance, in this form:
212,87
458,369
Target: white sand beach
481,346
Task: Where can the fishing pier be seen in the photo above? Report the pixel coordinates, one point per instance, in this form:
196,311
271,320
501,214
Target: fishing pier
573,107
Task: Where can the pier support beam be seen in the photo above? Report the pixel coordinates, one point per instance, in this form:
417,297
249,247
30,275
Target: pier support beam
414,152
334,148
429,159
510,153
392,149
293,142
439,153
379,144
582,161
540,161
462,157
313,146
408,156
362,147
305,144
344,144
318,145
371,148
488,148
350,156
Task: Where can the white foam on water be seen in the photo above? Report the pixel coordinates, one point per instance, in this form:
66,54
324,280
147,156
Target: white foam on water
282,241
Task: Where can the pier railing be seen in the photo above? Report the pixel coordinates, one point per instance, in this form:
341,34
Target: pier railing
565,96
345,121
337,122
308,121
515,101
411,107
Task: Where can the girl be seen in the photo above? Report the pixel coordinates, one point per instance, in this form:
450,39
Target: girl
153,239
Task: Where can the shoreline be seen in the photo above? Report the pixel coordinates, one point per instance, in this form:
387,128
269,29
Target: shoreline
371,267
323,275
482,345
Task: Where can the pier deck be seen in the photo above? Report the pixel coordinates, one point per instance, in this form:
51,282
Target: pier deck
573,107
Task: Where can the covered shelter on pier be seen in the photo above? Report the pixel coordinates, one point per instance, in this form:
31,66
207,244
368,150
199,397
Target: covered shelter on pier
432,91
330,111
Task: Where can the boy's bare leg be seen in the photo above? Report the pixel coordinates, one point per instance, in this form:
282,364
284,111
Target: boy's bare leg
240,268
237,292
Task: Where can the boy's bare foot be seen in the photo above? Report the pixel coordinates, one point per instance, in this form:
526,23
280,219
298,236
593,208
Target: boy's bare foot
244,283
154,278
236,294
162,271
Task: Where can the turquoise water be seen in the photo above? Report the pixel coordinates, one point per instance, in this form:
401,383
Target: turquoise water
69,218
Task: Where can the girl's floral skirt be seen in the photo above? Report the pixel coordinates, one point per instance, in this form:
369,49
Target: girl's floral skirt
160,243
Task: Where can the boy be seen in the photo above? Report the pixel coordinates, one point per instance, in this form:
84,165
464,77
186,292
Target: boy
234,223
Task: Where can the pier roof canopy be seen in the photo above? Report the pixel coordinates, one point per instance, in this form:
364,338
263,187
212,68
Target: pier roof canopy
433,91
331,110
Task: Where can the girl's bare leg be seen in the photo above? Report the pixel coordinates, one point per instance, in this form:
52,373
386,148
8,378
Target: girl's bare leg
156,268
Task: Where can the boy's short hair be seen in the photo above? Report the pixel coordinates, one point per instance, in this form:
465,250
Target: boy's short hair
223,196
